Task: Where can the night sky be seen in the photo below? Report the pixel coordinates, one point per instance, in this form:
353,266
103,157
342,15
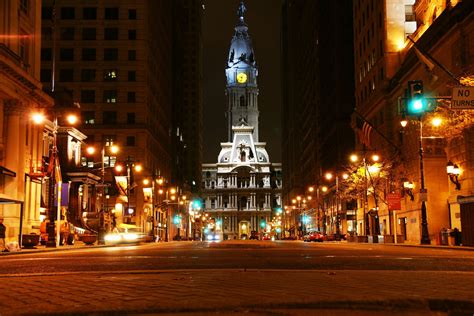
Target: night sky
263,20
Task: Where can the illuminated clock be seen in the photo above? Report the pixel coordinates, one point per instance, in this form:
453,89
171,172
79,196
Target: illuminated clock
241,77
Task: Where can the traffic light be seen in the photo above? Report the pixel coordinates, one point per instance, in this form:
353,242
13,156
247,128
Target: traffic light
416,101
262,223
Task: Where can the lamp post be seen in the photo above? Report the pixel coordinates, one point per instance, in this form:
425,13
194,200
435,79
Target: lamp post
425,238
368,170
300,204
338,203
130,165
454,171
101,228
54,172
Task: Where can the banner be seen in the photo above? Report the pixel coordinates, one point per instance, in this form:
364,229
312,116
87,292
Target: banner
122,184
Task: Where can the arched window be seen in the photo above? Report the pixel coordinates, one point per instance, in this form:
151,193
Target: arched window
243,102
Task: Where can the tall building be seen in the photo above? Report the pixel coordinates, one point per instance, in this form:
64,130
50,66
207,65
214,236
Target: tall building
317,67
115,60
22,144
242,190
387,63
187,94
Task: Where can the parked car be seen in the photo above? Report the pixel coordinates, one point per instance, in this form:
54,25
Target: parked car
315,236
253,235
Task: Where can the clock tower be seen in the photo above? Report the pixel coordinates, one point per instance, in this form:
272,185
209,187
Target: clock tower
241,73
242,191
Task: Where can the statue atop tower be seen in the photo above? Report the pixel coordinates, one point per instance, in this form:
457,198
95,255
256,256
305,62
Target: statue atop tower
241,11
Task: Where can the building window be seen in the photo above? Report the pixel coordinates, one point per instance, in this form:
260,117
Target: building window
132,34
88,54
110,75
66,75
131,118
88,117
66,54
47,13
46,33
68,13
130,140
46,54
45,75
132,14
87,75
242,101
132,55
132,76
109,140
110,54
89,13
89,34
131,97
111,33
67,34
110,96
111,13
109,117
87,96
24,6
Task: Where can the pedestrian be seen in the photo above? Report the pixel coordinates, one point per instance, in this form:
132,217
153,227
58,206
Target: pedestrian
3,229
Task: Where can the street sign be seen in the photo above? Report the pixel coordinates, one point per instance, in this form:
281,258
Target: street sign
393,200
423,195
463,98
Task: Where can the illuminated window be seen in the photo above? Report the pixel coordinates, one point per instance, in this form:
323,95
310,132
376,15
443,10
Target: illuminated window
88,117
110,96
110,75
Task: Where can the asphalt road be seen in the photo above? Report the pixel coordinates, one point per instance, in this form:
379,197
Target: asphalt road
252,277
242,255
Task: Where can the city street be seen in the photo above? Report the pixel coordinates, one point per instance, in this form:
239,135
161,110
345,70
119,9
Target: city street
255,277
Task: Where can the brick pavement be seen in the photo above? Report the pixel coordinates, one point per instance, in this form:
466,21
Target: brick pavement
236,291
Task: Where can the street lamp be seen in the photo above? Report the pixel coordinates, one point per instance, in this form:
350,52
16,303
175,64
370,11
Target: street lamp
130,165
91,150
425,237
300,205
329,176
54,172
454,171
368,170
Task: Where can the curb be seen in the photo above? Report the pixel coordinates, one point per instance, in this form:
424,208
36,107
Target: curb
43,250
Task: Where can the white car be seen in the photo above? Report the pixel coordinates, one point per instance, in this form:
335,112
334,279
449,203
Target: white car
125,235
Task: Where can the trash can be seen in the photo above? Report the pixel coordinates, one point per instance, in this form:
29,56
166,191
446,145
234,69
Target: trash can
443,237
455,236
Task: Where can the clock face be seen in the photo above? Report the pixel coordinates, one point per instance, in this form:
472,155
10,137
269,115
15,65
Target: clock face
242,77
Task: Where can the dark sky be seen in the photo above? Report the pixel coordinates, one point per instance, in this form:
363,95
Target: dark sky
263,20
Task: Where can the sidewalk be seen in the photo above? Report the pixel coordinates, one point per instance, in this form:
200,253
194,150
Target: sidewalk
40,248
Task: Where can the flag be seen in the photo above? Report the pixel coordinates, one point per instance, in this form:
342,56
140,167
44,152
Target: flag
122,183
429,65
363,130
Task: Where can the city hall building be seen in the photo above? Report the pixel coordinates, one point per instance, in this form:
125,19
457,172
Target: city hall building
242,190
